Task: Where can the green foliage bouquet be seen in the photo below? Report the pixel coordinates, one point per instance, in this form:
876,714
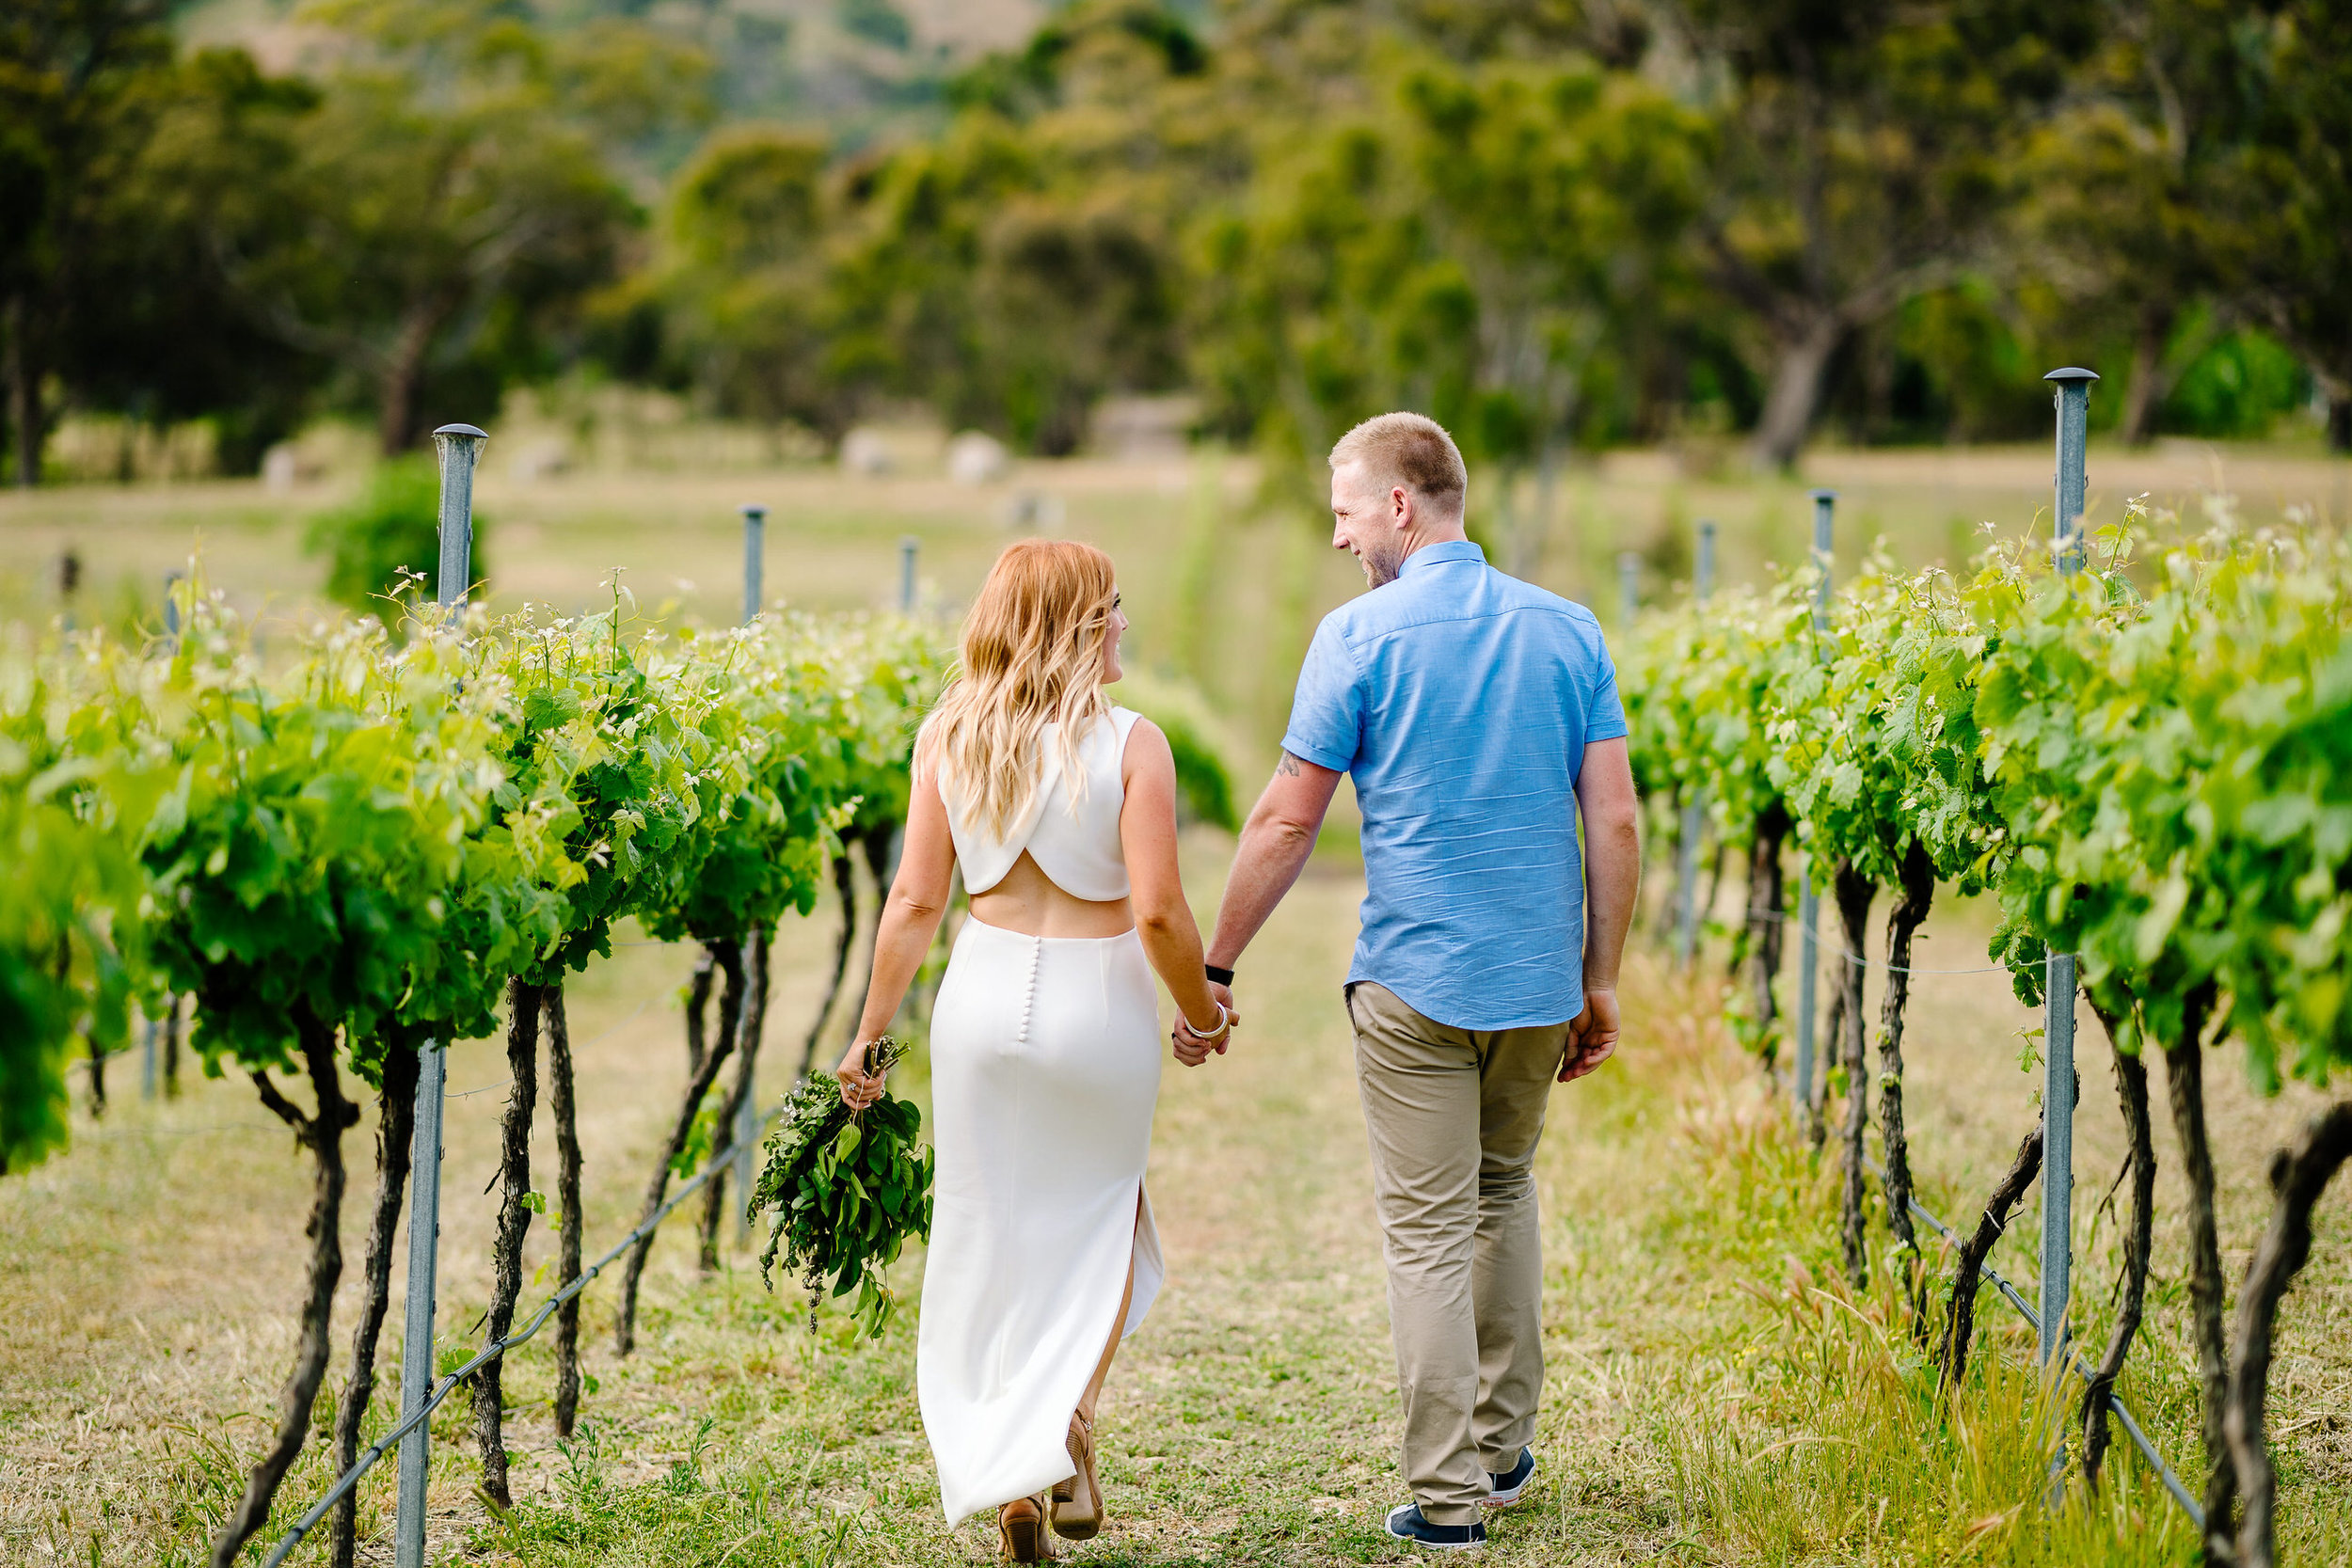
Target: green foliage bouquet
848,1188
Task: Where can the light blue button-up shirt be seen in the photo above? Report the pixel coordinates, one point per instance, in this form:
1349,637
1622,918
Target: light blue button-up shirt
1462,700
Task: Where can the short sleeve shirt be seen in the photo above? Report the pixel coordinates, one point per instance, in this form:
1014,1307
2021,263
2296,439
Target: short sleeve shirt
1461,701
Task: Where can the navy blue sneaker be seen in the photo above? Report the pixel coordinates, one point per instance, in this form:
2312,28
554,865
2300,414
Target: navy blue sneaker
1407,1524
1504,1489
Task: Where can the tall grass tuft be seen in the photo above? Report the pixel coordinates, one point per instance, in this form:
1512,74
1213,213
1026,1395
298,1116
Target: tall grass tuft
1822,1435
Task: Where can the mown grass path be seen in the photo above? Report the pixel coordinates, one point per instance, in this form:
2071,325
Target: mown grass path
1711,1395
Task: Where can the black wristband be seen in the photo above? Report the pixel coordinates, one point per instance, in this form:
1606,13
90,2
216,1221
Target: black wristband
1222,977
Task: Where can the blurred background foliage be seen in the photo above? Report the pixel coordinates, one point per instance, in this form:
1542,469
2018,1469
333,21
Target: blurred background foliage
1558,225
388,531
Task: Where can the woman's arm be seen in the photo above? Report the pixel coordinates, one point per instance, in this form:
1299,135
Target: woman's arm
909,919
1147,836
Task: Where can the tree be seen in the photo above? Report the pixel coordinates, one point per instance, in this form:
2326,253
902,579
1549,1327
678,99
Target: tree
1866,157
2122,216
456,199
1479,247
740,281
77,85
2292,211
1026,263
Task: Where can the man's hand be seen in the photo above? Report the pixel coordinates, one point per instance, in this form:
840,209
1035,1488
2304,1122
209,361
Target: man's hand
1592,1035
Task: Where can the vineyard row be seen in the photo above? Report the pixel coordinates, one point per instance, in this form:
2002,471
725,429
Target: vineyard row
384,838
2144,754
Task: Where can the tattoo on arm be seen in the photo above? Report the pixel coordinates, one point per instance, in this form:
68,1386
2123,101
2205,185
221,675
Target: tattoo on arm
1288,767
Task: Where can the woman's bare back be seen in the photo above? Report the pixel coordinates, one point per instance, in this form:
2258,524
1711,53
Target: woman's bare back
1027,902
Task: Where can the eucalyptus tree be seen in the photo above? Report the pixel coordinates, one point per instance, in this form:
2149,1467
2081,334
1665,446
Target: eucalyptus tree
2291,207
456,196
78,95
1867,155
1478,245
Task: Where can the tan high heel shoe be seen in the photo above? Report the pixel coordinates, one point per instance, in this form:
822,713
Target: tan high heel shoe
1021,1530
1078,1501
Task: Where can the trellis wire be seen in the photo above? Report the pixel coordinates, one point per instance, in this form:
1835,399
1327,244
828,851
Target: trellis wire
441,1389
2033,1319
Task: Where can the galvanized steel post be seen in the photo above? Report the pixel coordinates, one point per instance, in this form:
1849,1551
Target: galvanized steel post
1694,809
2073,421
2058,1029
755,560
1808,899
460,449
908,545
1630,585
747,1114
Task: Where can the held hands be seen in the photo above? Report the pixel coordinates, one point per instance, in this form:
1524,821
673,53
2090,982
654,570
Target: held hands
1591,1036
1195,1046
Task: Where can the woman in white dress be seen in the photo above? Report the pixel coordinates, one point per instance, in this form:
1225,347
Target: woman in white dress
1045,1041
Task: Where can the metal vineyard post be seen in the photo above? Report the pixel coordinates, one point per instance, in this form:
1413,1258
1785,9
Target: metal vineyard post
1808,901
1629,585
747,1114
908,545
460,449
755,560
2058,1031
1694,811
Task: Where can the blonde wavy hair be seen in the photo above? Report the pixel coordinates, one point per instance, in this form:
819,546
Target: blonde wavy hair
1032,656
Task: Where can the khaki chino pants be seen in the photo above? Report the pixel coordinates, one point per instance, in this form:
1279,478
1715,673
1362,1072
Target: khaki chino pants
1455,1116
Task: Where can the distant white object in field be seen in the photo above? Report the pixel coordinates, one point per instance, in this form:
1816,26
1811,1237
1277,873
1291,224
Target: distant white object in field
1034,511
866,451
281,469
977,458
1145,428
542,459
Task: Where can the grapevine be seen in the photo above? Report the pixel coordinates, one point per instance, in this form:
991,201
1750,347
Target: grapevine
2149,764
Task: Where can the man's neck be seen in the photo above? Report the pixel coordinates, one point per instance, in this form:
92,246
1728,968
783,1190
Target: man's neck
1421,539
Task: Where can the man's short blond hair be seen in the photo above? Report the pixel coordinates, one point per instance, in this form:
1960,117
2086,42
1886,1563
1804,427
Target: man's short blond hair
1410,449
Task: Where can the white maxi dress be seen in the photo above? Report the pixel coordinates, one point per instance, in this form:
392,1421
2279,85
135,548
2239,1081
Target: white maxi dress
1045,1068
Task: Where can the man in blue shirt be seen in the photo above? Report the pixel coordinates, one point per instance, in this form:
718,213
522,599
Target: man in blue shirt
1478,714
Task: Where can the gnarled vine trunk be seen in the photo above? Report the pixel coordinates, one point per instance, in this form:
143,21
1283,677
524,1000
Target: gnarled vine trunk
322,1132
730,962
1833,1037
1960,1313
698,1008
1767,898
396,1124
1916,893
561,1101
2131,1088
845,890
2298,1174
173,1023
523,1003
2185,1088
1854,892
749,1033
